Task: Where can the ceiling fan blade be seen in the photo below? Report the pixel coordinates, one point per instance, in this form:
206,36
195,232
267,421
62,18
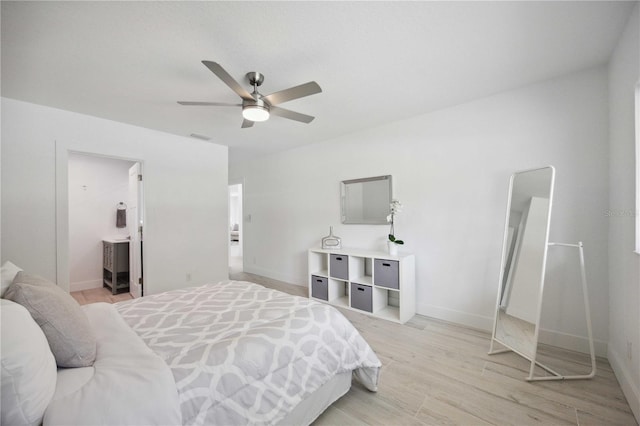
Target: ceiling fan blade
310,88
292,115
247,123
207,103
228,80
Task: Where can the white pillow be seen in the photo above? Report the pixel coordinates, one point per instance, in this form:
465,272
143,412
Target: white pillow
28,368
9,272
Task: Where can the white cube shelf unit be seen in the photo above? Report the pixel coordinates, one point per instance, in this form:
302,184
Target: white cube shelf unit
370,282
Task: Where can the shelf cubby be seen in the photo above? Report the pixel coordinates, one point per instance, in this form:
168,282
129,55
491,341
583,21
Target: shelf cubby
318,264
391,296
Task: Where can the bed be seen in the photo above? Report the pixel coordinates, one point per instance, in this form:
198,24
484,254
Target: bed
228,353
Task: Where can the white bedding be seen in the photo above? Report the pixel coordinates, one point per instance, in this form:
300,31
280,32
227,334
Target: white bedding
244,354
229,353
127,385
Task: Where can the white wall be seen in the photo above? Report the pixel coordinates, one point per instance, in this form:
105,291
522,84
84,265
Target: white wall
624,264
451,171
96,186
185,193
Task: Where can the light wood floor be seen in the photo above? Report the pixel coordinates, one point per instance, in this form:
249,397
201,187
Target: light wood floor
98,295
437,373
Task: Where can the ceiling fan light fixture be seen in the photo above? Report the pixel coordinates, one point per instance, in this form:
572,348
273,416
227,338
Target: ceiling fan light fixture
255,112
255,106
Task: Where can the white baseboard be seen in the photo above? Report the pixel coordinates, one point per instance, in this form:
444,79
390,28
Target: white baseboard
463,318
254,269
572,342
550,337
629,388
85,285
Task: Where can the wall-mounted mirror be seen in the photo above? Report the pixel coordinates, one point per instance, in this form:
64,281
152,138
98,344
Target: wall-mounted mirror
523,260
365,201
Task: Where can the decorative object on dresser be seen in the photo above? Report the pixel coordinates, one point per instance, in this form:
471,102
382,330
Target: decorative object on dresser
115,265
331,241
524,255
370,282
395,207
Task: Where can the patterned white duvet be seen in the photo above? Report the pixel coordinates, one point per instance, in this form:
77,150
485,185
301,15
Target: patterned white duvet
244,354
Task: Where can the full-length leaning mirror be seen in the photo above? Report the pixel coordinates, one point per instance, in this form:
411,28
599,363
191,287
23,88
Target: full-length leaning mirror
524,255
525,244
366,200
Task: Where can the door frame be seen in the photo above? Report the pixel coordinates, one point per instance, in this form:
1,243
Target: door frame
62,206
230,182
136,231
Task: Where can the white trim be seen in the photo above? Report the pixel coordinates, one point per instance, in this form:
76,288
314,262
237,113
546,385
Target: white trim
62,215
549,337
289,279
637,134
243,224
572,342
63,148
479,322
624,376
85,285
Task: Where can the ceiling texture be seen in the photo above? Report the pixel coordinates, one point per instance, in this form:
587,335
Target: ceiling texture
376,62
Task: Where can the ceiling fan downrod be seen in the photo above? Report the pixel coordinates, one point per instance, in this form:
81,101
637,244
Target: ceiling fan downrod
255,79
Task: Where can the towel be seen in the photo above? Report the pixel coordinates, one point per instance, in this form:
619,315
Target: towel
121,218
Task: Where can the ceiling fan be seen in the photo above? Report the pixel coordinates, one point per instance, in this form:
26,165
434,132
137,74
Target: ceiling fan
255,106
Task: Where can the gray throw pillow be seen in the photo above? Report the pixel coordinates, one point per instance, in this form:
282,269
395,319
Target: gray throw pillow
63,322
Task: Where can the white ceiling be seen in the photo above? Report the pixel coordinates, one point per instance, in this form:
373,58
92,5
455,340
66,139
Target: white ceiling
375,61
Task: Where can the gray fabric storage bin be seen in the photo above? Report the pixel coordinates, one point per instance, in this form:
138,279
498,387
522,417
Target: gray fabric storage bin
361,297
319,287
339,267
385,273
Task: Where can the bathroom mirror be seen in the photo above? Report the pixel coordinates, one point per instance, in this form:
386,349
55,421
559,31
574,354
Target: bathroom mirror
365,201
524,255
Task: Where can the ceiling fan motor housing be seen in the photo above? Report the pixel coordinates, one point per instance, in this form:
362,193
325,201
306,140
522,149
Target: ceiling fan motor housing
255,78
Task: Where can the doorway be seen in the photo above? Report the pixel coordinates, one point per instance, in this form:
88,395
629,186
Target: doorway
236,231
105,211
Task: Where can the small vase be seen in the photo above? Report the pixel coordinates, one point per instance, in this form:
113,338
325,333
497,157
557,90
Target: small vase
331,241
393,248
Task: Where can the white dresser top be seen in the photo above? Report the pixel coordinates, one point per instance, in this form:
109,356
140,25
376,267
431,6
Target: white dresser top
349,251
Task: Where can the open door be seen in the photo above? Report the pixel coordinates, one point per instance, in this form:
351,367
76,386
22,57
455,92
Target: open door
134,223
236,228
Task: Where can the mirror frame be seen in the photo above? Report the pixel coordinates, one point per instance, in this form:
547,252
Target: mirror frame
343,195
530,353
518,334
